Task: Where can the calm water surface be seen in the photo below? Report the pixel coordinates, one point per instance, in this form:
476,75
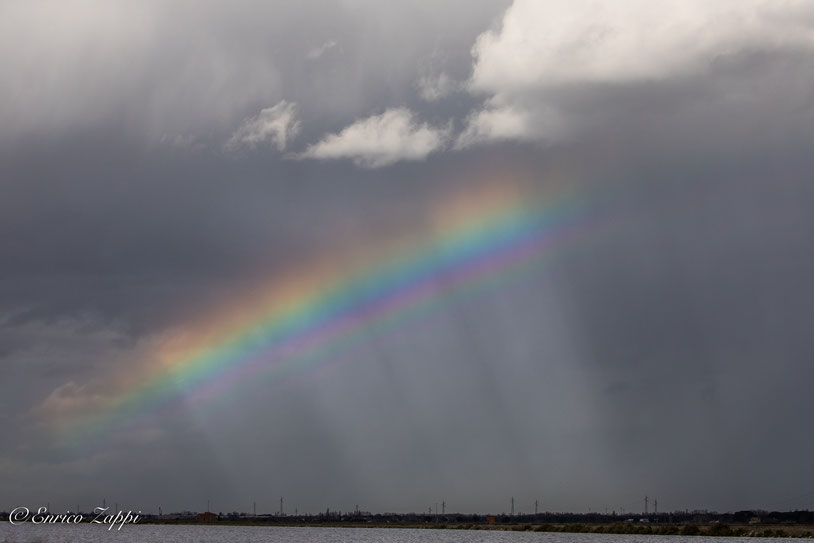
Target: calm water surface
31,533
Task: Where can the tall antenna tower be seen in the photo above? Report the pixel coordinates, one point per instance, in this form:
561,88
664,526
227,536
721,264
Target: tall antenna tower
535,506
281,506
443,508
645,505
512,505
656,506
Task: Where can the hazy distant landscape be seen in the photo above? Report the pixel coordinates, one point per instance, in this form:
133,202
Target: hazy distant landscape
221,534
796,524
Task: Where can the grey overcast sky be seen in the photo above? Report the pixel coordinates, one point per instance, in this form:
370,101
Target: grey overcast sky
212,214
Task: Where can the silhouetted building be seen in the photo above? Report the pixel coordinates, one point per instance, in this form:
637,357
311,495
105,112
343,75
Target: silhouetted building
207,517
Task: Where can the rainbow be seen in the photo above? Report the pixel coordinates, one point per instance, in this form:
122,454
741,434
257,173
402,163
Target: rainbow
308,319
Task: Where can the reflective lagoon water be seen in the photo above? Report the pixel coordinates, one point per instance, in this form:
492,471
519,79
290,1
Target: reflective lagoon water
31,533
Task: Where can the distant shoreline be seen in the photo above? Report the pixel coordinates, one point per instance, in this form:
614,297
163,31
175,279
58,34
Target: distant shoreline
796,524
713,529
707,530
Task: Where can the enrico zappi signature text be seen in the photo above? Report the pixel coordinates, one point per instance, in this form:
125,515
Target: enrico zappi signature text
101,516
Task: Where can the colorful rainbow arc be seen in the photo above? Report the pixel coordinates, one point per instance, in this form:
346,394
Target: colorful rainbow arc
323,320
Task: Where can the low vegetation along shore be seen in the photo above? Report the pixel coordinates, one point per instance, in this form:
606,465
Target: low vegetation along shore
721,530
797,524
714,529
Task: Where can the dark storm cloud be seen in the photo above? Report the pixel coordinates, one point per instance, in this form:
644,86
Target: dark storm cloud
692,319
667,355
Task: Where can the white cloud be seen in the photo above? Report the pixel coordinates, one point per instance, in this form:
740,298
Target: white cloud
70,399
494,124
317,52
434,88
545,48
550,43
382,140
274,125
183,142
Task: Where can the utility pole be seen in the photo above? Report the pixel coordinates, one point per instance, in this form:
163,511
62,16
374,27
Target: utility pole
535,506
443,508
656,507
512,505
645,505
207,506
254,508
281,506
